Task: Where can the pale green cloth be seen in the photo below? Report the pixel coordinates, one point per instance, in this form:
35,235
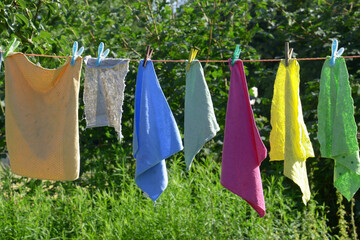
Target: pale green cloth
337,130
200,121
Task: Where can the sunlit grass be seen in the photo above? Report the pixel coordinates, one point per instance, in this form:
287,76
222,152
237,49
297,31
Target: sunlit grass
194,206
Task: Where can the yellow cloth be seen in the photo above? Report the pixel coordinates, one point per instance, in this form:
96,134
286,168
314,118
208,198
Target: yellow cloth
41,118
289,139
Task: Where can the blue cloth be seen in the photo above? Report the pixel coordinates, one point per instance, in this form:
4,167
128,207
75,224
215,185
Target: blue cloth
156,135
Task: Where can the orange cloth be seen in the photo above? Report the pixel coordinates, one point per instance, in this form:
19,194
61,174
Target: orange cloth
41,118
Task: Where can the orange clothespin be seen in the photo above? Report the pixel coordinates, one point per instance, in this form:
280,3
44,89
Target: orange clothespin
147,55
192,57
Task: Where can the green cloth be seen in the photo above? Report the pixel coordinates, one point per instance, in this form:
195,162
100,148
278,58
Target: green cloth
200,121
337,129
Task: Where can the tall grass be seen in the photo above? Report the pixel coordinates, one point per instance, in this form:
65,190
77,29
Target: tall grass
194,206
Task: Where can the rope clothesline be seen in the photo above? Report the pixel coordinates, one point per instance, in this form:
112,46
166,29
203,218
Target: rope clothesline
207,61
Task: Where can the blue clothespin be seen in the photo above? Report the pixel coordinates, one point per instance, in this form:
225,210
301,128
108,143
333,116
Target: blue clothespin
1,58
236,55
76,53
101,55
334,52
14,44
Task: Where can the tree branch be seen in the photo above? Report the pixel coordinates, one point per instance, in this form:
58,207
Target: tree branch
154,20
22,38
37,10
132,49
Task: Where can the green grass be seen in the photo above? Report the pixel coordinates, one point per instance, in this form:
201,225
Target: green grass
194,206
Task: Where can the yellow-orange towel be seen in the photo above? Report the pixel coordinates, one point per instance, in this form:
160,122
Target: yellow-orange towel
289,139
41,118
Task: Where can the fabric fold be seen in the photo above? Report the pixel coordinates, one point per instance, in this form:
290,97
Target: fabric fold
243,149
289,139
337,130
41,118
104,92
156,135
200,123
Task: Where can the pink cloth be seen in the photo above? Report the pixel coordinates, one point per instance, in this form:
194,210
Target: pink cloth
243,149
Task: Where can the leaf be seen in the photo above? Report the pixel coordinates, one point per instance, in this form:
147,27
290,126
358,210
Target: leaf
21,3
45,34
66,3
10,26
22,18
29,13
32,25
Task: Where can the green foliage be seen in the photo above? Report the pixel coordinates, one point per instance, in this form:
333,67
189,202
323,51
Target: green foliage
353,225
341,214
126,27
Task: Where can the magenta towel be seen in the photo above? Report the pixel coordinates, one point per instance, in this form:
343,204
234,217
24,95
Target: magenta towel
243,149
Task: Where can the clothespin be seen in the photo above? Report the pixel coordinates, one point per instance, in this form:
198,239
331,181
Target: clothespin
288,53
236,55
1,58
14,44
76,53
334,52
101,55
192,57
147,55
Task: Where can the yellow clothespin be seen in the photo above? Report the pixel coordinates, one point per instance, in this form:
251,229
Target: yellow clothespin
192,56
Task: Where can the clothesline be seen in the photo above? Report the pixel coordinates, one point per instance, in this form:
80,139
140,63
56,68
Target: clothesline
224,61
151,109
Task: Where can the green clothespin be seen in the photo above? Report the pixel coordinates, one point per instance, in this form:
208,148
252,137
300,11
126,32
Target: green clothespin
14,44
236,55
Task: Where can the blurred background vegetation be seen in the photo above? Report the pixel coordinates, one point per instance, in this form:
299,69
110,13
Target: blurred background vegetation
172,28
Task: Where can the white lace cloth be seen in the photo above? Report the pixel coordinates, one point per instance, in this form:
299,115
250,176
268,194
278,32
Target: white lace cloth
104,92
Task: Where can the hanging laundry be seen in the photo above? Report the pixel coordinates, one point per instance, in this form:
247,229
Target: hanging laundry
337,130
104,92
41,118
289,139
200,121
156,135
243,149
